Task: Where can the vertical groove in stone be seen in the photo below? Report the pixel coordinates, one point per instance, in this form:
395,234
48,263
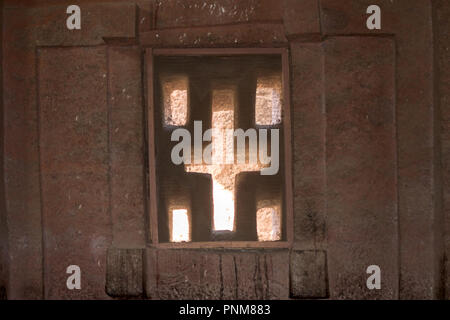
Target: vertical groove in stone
124,273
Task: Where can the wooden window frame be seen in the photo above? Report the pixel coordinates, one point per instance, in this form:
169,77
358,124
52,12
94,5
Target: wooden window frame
150,53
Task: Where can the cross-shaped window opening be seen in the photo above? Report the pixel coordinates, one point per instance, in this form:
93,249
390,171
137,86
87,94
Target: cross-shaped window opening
225,93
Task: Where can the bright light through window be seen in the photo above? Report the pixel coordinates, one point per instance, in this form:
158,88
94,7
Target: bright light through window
268,224
268,100
223,169
175,95
180,226
223,199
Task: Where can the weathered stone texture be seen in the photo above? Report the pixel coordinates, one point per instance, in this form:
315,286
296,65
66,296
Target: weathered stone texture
349,17
418,184
126,153
442,25
98,21
366,162
361,165
22,188
301,17
124,272
217,274
244,35
74,168
27,25
309,124
146,14
420,253
4,265
308,274
192,13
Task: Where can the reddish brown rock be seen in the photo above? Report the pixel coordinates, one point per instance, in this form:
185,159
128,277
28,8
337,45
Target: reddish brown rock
126,150
421,241
124,277
350,17
74,167
22,187
87,159
27,24
308,274
193,13
146,15
260,35
301,17
46,23
442,25
421,254
4,265
361,165
98,21
309,124
217,274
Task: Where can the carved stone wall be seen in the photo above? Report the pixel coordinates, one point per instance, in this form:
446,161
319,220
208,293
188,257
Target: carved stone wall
370,161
